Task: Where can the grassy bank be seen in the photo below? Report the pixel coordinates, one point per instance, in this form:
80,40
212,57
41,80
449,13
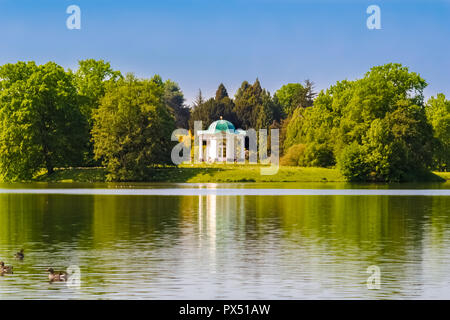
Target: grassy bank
203,173
213,174
443,175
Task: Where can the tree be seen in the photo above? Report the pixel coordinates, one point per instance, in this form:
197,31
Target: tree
294,95
255,108
379,118
438,114
132,129
221,92
399,146
353,163
41,124
174,98
212,109
245,102
198,99
91,80
268,113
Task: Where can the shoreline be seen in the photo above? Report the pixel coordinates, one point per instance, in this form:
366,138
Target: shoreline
219,174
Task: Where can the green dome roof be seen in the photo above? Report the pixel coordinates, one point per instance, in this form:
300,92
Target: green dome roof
221,126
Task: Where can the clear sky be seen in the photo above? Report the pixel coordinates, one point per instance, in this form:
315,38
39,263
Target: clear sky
200,43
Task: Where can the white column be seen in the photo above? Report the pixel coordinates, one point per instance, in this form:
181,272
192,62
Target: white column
230,148
242,143
208,148
221,142
213,151
219,149
200,147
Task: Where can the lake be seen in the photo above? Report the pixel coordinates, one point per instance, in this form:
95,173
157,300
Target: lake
226,241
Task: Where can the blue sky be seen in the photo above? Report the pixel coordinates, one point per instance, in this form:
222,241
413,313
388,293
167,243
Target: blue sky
200,43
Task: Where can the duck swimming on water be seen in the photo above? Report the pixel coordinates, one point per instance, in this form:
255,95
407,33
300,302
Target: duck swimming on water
56,275
19,255
5,269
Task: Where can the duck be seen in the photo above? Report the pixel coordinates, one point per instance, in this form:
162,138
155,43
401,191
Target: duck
5,269
19,255
56,275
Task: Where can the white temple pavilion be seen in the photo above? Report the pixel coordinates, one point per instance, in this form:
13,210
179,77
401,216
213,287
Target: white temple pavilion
223,142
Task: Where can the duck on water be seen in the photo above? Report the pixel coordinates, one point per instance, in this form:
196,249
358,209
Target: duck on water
20,255
55,276
5,269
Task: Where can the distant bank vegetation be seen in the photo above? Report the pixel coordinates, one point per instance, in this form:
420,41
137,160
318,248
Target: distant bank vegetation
377,128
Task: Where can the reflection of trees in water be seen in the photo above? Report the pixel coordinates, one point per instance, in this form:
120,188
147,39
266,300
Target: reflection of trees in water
48,219
332,238
325,240
136,219
436,244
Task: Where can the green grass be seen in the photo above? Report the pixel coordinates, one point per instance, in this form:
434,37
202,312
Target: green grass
252,173
443,175
204,173
74,175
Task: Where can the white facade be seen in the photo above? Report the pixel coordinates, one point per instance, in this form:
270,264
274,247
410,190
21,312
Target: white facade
221,143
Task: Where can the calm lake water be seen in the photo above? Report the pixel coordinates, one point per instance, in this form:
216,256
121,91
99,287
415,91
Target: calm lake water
218,241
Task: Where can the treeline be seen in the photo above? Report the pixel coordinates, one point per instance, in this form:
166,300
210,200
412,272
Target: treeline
378,128
375,128
253,106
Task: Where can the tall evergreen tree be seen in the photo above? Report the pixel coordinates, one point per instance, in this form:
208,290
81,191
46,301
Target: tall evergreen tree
221,92
214,108
254,107
246,103
198,99
174,98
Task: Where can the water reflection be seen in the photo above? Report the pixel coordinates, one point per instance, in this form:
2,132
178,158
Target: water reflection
212,246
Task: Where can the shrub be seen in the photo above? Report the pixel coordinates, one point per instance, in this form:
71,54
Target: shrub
352,163
318,155
294,156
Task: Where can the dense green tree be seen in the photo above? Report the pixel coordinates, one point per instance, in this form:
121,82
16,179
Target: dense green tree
212,109
174,98
91,79
294,95
202,112
353,164
438,114
380,118
255,108
398,147
269,112
132,128
247,101
224,106
221,92
41,125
